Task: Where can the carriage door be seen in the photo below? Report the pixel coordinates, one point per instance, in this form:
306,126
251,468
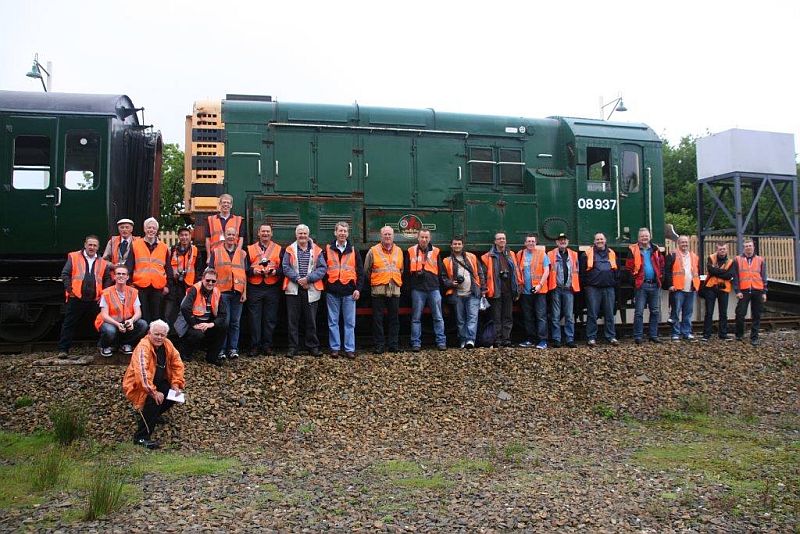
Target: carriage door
630,186
28,185
81,181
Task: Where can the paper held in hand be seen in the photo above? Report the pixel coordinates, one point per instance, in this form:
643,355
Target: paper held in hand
174,396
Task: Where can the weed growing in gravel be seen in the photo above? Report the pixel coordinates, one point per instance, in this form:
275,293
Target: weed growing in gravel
306,428
280,425
14,446
434,482
472,466
22,402
514,451
397,467
181,465
48,470
604,410
69,423
695,404
105,493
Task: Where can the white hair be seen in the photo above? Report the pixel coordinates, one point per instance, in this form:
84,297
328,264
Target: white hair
151,220
302,227
159,323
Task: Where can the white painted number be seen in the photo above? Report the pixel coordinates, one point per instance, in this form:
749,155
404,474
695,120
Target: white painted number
597,203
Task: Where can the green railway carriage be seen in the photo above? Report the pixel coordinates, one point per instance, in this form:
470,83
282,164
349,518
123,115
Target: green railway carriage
470,175
70,165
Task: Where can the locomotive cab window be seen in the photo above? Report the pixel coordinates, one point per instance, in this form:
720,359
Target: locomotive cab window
31,162
598,163
81,160
511,166
630,172
481,166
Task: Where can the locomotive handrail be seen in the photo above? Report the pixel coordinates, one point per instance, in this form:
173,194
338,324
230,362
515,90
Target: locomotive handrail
650,196
368,128
616,179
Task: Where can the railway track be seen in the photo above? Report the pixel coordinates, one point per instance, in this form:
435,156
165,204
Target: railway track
624,331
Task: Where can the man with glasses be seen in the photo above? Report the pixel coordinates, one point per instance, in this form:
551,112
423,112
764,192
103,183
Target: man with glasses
120,319
203,320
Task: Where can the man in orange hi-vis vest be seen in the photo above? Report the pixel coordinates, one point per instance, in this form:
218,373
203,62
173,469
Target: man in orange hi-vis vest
383,271
342,283
264,277
682,278
120,319
750,287
230,262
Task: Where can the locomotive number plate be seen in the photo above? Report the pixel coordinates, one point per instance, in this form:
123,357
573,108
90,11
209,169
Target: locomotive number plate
597,203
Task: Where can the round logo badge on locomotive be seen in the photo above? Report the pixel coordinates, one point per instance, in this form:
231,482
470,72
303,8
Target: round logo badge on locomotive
410,225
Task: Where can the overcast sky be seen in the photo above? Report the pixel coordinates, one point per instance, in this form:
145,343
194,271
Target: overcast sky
682,67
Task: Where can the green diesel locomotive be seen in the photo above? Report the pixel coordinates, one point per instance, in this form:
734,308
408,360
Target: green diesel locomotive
454,174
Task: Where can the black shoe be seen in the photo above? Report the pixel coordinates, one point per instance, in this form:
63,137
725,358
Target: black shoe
267,351
334,354
415,349
215,361
442,347
316,352
146,443
378,350
505,343
350,355
655,340
187,357
394,350
252,353
556,344
572,345
291,353
638,341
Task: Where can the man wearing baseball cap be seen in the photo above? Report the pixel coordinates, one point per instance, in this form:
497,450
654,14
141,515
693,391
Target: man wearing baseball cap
563,285
119,248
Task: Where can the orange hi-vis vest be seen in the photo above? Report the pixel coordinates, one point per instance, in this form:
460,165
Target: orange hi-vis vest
386,267
230,270
473,264
150,268
344,271
715,282
487,261
184,262
115,257
750,273
536,266
429,262
216,233
679,275
291,250
79,273
118,310
200,302
272,254
612,258
552,282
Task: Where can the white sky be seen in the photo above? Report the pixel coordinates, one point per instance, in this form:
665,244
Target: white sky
682,67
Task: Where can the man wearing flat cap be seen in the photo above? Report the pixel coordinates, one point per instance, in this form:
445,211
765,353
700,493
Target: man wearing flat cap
120,247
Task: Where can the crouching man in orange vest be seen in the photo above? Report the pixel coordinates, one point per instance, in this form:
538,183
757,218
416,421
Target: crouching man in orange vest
203,320
120,319
750,286
155,368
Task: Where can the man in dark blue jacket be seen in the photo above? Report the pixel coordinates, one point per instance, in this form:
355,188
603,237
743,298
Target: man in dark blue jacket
599,278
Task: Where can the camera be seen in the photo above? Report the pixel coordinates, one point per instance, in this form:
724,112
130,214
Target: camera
459,279
504,275
181,275
264,261
418,274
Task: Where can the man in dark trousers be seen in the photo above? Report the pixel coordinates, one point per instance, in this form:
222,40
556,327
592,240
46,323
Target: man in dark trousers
719,283
186,268
84,276
750,286
203,321
502,287
599,279
264,276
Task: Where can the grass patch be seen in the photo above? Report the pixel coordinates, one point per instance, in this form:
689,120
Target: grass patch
13,446
695,404
306,428
435,482
397,467
23,402
179,465
69,423
514,451
48,470
105,493
472,466
604,410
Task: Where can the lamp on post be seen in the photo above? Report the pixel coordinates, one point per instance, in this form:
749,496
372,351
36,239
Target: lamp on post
618,106
36,72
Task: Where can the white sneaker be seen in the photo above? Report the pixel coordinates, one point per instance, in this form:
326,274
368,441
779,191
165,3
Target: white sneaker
127,349
106,352
469,345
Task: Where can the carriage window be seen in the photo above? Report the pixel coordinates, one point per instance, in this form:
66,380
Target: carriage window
630,172
598,163
31,162
481,166
81,160
511,166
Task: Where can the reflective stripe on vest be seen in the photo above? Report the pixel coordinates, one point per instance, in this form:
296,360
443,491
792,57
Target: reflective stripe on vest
537,261
679,275
149,267
750,273
573,259
115,242
344,271
200,302
291,250
612,258
118,310
473,263
386,268
230,271
273,256
714,281
79,273
184,262
430,262
216,233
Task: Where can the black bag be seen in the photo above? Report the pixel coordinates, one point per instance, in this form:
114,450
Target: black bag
486,333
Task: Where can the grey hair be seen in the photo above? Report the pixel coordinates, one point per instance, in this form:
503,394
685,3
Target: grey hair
149,221
302,227
162,324
343,224
644,229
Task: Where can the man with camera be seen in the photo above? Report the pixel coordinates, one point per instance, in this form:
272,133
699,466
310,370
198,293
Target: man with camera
185,265
120,319
502,287
464,280
203,320
263,289
425,264
534,271
719,283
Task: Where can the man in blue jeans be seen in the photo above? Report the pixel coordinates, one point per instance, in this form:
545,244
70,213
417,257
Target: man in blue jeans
424,266
682,278
599,278
465,282
120,319
342,280
646,265
563,284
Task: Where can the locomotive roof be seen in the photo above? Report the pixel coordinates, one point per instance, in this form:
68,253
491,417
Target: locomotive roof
633,131
119,106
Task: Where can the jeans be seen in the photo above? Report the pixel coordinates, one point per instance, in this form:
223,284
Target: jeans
648,295
77,310
434,301
755,299
562,300
262,305
534,314
341,305
392,307
466,309
684,304
111,336
712,297
597,299
297,305
233,302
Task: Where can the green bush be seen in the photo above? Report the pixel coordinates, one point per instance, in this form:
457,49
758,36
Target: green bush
48,470
105,493
69,423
